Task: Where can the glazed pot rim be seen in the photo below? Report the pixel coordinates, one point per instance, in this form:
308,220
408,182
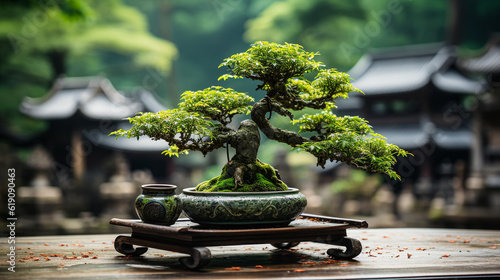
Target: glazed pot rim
191,191
159,187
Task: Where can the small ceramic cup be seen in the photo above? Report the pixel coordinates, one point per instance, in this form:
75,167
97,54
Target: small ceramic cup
158,204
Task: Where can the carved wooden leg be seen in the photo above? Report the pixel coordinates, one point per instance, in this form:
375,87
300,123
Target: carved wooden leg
285,245
200,256
126,248
353,248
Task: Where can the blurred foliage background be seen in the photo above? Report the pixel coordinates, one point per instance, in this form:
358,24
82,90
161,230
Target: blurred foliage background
181,43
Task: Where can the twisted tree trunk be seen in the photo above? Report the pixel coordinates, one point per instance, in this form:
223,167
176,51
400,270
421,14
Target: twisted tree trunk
245,172
246,141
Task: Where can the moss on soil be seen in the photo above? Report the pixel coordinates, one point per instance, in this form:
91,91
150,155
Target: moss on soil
257,176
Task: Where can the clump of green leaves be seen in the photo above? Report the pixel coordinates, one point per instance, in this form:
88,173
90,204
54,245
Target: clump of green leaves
199,122
349,139
281,68
271,62
217,103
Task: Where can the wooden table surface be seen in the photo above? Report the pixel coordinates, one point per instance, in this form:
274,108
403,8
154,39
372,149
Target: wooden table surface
387,253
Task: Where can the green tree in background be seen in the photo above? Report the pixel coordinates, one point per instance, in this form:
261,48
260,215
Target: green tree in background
343,31
405,22
320,25
479,19
41,39
198,28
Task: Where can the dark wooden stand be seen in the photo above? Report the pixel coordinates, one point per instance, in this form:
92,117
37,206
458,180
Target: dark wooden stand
192,239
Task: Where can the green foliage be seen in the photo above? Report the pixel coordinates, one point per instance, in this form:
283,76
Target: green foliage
342,31
71,9
326,123
107,26
216,103
328,85
281,68
333,84
183,130
349,139
40,39
271,62
199,123
398,30
322,25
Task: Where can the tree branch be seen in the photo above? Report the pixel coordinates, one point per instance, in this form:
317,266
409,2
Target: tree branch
258,114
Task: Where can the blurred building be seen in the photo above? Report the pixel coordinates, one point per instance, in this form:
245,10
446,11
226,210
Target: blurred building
484,181
444,109
415,96
91,168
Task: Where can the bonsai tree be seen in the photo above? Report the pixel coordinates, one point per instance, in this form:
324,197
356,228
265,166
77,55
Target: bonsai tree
201,121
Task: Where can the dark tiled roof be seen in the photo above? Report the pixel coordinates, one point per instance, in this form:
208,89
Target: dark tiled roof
396,70
404,136
407,69
454,82
94,97
414,137
150,102
144,144
461,138
488,62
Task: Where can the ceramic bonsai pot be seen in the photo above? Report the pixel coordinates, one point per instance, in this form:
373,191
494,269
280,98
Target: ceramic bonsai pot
243,209
158,204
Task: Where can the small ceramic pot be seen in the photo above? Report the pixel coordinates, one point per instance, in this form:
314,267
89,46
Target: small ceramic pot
158,204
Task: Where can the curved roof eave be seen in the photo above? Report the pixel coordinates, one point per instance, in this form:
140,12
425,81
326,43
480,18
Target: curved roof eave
400,70
94,97
453,81
488,61
144,144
